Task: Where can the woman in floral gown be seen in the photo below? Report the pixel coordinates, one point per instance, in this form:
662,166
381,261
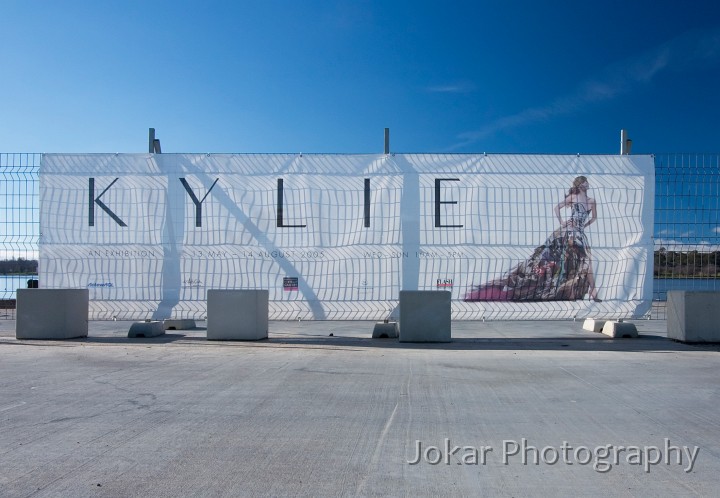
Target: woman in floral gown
561,268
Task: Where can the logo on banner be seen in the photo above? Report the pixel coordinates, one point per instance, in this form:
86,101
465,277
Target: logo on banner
290,283
443,283
193,282
364,286
94,285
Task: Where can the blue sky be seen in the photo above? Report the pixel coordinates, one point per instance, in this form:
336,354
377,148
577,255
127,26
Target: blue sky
328,76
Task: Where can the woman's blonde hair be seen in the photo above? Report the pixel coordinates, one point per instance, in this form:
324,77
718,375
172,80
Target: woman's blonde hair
575,189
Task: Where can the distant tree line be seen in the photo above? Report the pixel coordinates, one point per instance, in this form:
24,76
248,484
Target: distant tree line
667,264
18,266
691,264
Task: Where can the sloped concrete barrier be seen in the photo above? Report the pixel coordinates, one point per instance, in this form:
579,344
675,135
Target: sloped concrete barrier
52,313
593,324
148,328
620,329
693,316
179,324
425,316
385,330
237,314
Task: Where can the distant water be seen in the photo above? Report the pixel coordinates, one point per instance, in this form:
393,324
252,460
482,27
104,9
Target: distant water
10,283
662,285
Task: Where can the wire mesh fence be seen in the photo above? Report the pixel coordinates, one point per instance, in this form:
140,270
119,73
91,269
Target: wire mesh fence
687,225
19,225
686,233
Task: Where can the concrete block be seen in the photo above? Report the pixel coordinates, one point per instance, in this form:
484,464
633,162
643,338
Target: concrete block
593,325
693,316
385,330
237,315
425,316
52,313
179,324
620,329
148,328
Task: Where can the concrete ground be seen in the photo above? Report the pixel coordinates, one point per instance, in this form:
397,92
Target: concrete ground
506,409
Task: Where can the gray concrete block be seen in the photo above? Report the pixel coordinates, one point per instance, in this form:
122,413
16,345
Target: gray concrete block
620,329
385,330
425,316
148,328
237,314
693,316
179,324
593,325
52,313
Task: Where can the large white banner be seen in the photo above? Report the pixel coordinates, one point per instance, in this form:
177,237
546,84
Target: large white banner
338,236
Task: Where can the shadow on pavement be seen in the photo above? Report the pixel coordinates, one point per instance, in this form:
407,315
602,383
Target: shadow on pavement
644,343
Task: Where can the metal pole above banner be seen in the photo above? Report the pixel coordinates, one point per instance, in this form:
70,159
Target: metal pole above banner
153,143
625,143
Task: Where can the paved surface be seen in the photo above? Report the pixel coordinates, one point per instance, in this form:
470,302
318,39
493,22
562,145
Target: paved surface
307,414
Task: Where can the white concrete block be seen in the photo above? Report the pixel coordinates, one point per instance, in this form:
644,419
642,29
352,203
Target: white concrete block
148,328
593,325
385,330
179,324
693,316
620,329
425,316
237,315
52,313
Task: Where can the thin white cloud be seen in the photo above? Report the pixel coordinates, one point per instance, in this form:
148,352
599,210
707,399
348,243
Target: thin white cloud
674,233
716,230
617,79
463,87
680,246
